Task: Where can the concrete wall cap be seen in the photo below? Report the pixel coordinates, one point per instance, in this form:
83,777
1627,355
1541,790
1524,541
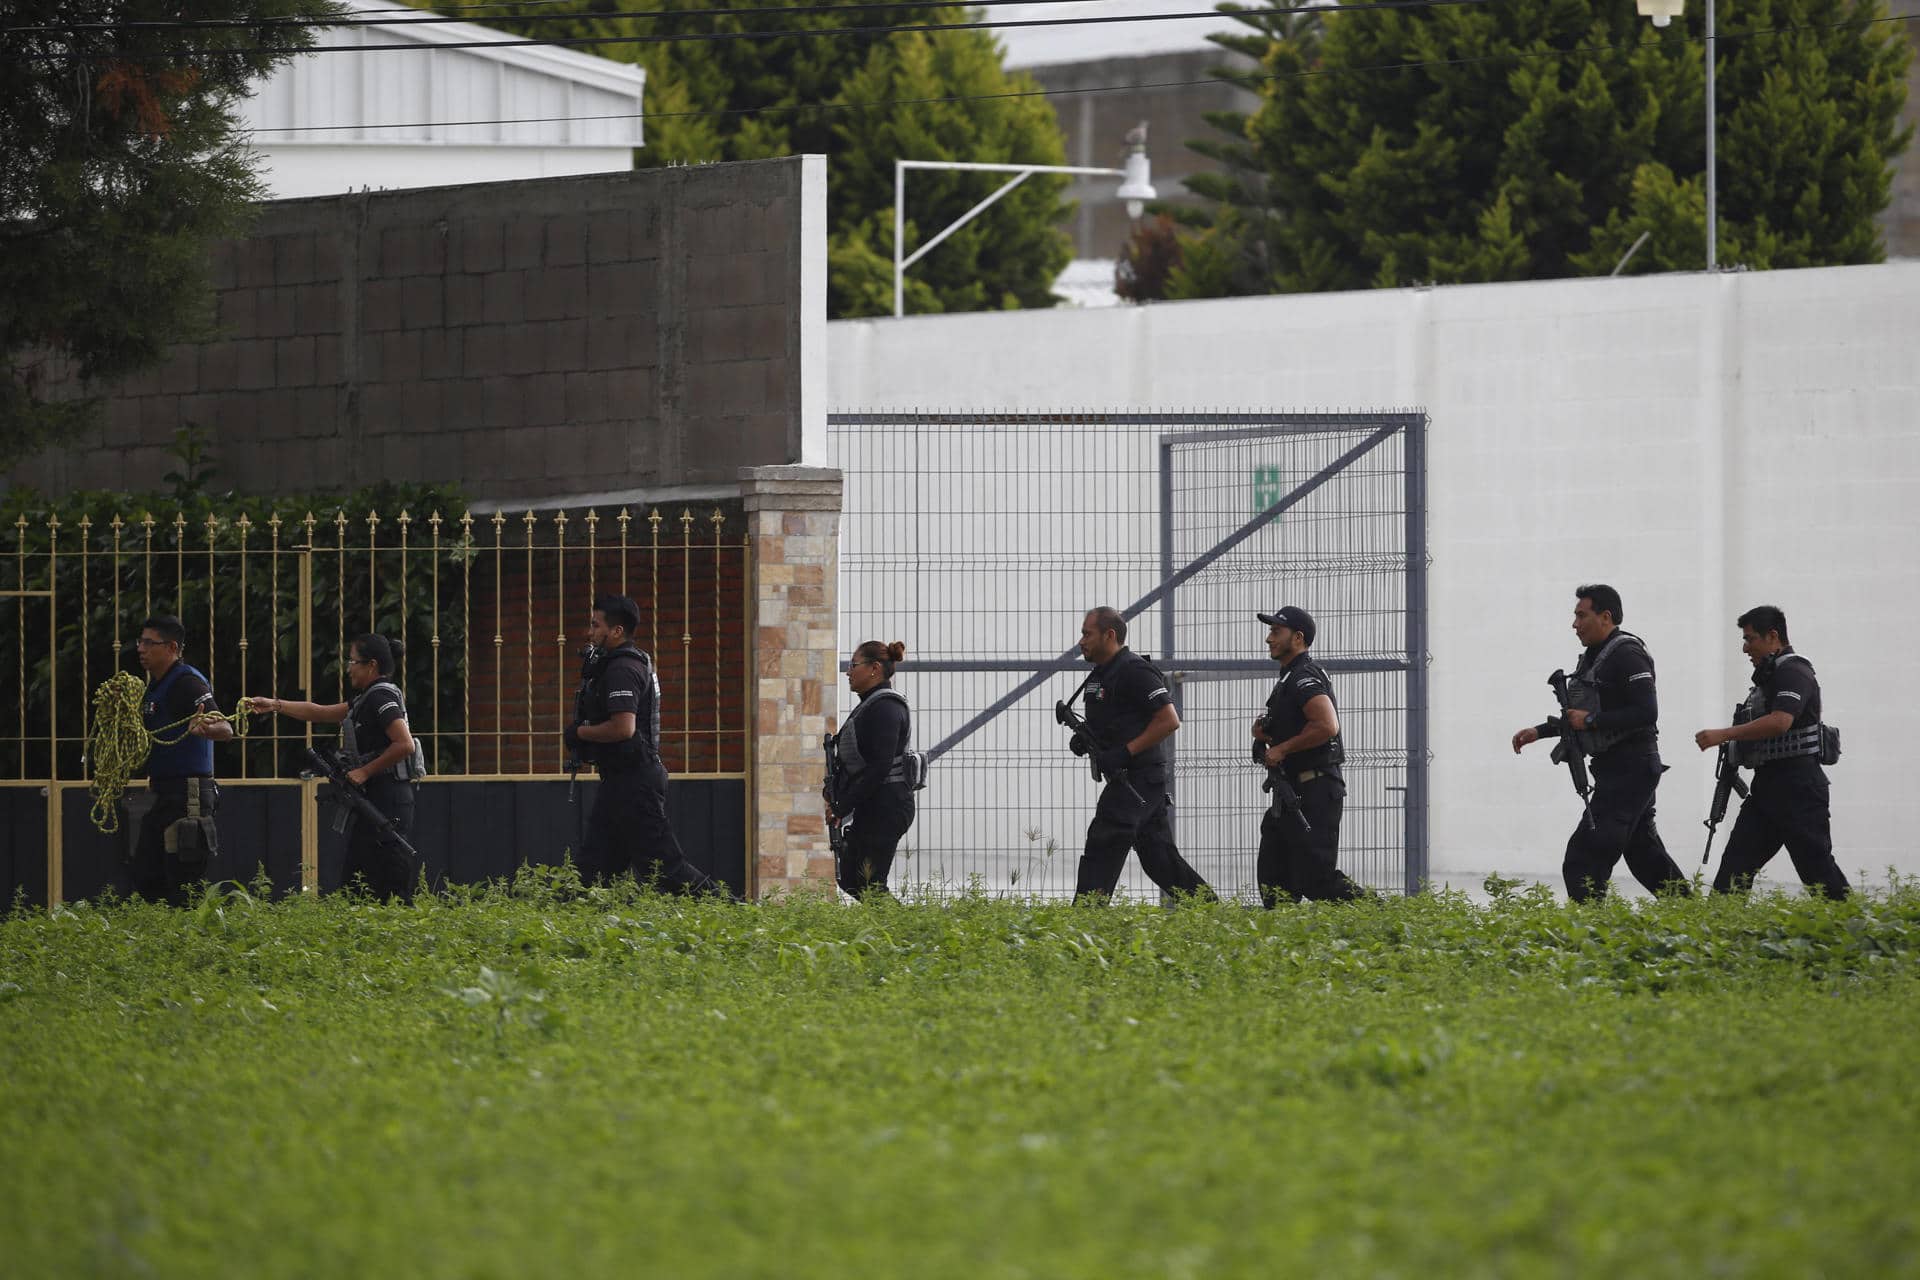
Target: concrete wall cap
775,474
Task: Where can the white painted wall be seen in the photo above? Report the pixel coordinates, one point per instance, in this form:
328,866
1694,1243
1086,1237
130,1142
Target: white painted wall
1704,443
813,298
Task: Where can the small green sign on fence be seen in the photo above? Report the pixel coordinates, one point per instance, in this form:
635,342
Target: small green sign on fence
1267,488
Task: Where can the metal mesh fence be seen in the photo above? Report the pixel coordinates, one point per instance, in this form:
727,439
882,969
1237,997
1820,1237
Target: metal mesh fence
981,541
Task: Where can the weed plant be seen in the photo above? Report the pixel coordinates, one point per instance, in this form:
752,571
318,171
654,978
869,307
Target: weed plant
534,1079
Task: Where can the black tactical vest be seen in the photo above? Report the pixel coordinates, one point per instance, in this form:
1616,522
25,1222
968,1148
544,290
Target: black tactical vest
844,747
1583,694
1802,739
590,704
412,769
1114,723
1286,716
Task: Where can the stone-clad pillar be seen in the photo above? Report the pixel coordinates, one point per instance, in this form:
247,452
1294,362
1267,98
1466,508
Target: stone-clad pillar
793,519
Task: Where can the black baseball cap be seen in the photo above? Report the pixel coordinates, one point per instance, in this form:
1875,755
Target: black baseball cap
1293,617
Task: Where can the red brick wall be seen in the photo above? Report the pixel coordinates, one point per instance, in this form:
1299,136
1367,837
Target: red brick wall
691,619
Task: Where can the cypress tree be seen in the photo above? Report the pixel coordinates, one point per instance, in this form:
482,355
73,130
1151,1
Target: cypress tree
1540,138
120,164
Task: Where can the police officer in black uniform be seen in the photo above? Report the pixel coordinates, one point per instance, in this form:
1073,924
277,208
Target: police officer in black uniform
1129,717
177,710
383,758
1784,738
617,728
1299,737
1613,715
868,792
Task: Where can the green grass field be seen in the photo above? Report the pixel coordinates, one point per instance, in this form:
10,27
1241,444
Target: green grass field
530,1081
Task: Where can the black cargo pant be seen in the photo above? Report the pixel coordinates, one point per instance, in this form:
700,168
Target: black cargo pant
1299,862
873,837
628,830
388,872
1786,804
1620,822
1132,814
159,876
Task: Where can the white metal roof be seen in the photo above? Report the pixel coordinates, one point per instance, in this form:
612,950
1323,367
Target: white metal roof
426,94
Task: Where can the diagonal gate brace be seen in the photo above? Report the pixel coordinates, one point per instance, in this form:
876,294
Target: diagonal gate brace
1066,660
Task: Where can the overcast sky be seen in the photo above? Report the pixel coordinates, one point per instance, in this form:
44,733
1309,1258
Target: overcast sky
1038,46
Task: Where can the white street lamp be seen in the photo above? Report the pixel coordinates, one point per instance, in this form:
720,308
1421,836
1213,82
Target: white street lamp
1136,189
1663,12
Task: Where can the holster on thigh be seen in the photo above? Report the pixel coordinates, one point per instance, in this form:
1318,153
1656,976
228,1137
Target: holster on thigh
195,838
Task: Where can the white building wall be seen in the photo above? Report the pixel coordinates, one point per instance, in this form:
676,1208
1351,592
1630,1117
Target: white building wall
294,172
1704,443
415,103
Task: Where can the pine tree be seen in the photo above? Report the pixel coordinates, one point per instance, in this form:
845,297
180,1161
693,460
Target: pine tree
1540,138
714,100
1231,256
120,163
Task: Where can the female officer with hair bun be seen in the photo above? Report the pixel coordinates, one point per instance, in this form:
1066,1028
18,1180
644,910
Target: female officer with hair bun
384,757
869,793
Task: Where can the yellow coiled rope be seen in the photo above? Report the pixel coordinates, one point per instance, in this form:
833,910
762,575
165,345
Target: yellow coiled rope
118,747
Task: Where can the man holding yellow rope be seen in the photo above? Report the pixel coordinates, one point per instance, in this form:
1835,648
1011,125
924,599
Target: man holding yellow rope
177,834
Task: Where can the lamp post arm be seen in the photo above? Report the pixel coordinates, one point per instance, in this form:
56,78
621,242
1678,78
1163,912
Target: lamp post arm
969,166
965,218
1021,173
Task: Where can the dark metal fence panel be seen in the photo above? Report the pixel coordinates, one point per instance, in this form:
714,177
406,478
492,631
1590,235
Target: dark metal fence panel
467,830
980,540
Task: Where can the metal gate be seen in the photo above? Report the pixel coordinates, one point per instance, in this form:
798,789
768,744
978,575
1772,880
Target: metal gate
491,610
981,540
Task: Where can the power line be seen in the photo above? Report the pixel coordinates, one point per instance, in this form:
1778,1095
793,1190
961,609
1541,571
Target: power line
1310,73
440,14
798,33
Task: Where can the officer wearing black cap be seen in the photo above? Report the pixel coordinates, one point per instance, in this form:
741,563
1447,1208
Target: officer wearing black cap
1611,715
1129,718
1781,734
618,729
1299,738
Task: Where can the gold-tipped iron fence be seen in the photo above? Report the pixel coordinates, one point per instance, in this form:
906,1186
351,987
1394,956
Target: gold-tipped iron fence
491,608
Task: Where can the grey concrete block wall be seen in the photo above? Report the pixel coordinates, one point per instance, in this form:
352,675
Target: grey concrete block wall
522,339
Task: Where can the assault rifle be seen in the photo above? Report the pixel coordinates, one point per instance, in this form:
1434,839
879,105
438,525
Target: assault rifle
1285,798
352,799
1567,750
836,834
1726,782
589,667
1085,742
